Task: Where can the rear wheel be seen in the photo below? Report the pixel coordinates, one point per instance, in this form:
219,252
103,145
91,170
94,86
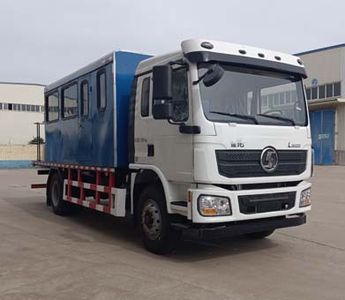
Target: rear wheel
153,219
55,192
260,234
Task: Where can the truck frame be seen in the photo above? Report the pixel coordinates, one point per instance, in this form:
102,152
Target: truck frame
156,139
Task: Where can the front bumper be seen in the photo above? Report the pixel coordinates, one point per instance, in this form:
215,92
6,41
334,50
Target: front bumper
196,218
243,227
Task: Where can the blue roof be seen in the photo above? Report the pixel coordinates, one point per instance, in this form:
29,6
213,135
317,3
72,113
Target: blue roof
321,49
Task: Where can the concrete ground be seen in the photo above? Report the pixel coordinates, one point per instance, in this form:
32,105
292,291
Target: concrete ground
91,256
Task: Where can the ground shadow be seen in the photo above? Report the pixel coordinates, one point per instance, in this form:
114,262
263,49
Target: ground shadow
110,230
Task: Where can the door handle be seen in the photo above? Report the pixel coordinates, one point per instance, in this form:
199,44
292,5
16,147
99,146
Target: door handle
150,150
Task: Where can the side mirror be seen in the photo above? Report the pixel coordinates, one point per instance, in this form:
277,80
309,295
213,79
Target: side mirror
162,82
162,111
213,75
162,92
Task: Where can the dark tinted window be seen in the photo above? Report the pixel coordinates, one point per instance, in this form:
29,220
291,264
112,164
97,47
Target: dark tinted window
180,95
336,89
308,92
52,104
70,101
101,90
84,96
322,91
329,90
145,97
314,93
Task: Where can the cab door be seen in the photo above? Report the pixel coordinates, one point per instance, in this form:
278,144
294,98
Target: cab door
160,142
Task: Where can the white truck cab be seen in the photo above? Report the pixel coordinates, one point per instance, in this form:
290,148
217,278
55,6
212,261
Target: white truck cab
221,142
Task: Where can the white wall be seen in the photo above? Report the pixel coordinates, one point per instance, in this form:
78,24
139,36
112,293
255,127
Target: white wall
17,127
326,66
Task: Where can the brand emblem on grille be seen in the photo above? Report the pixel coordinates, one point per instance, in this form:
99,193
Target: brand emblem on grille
269,159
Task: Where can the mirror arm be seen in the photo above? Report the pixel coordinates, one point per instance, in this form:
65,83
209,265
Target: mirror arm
200,78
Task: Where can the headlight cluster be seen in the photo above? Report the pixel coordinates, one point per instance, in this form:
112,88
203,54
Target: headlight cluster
214,206
305,199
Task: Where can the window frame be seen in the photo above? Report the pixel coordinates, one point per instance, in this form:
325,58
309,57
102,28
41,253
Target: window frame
47,106
81,93
185,69
62,109
98,75
144,80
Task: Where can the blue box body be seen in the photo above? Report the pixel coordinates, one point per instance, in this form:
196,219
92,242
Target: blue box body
101,138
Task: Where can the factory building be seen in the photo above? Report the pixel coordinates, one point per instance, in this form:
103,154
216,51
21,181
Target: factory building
21,105
325,91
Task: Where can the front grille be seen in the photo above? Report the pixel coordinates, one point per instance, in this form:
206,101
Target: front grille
252,204
258,186
246,163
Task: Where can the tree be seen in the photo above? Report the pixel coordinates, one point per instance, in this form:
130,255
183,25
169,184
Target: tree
35,141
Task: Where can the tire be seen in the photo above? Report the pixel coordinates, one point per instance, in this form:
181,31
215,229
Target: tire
153,220
259,235
59,206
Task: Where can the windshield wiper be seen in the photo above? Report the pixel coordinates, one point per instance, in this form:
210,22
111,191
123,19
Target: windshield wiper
244,117
278,118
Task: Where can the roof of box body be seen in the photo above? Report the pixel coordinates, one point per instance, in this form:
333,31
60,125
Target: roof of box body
106,59
90,67
321,49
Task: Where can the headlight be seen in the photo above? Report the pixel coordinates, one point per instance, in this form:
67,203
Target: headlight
214,206
305,199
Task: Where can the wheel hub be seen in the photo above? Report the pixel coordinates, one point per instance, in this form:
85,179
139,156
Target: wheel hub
151,220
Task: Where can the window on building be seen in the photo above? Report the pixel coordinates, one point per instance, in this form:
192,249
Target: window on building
322,91
314,93
276,99
84,98
281,98
101,90
308,93
329,90
69,101
288,97
52,107
336,89
0,106
264,101
145,97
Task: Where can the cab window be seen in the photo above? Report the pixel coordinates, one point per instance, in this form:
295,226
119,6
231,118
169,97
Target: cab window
180,95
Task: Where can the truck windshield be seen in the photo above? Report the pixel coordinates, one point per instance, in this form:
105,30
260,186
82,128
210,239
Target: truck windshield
253,96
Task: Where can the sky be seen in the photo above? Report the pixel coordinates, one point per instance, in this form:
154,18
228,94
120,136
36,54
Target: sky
44,40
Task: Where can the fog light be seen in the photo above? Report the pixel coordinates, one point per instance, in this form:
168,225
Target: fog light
305,199
210,206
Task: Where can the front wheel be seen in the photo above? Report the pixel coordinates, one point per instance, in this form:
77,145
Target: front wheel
153,219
